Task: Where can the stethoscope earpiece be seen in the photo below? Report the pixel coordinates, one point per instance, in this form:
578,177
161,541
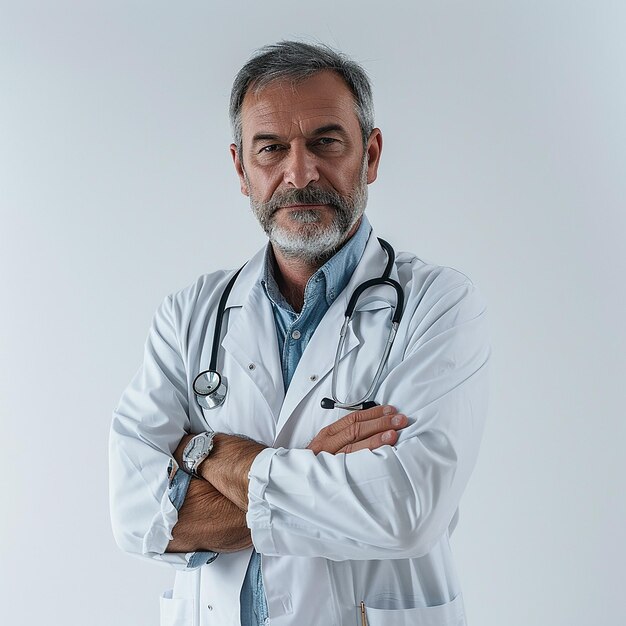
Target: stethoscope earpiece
327,403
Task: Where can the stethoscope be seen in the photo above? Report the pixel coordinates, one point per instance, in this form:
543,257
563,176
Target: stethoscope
210,387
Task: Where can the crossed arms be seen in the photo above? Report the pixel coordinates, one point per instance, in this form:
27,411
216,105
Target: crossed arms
213,515
396,501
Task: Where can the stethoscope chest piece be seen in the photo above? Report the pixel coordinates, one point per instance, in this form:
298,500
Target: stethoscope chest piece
210,389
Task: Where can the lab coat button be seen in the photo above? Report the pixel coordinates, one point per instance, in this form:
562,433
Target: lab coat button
296,334
313,378
251,366
209,607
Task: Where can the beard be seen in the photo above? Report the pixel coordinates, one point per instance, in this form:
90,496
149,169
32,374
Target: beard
312,241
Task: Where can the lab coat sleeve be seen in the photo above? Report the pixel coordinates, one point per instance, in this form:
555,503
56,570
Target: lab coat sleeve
148,423
396,501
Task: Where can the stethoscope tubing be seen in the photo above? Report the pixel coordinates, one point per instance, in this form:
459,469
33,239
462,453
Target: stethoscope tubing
221,308
209,381
395,322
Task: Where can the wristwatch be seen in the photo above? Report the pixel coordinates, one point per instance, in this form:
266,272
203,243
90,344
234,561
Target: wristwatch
197,449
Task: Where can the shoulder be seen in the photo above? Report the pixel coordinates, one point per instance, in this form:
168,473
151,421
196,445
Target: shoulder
443,309
207,289
204,289
423,273
429,285
186,310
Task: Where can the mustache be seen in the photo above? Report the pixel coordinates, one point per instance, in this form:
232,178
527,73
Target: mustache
308,195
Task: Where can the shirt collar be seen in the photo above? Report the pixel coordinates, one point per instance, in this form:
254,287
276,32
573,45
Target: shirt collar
335,273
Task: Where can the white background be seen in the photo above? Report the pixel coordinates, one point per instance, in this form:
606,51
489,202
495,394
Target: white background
504,156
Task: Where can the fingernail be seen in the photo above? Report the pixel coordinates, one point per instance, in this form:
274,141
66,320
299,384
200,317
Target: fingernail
388,410
397,420
387,436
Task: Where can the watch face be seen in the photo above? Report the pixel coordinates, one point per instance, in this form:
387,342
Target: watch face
198,449
197,446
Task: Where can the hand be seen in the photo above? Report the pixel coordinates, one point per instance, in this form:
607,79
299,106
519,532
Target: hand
360,430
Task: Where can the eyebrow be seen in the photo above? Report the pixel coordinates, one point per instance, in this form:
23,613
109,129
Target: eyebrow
328,128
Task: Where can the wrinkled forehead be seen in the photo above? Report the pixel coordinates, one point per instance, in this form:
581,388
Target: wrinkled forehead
323,98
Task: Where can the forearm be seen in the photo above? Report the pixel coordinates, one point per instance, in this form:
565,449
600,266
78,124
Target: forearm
207,520
228,465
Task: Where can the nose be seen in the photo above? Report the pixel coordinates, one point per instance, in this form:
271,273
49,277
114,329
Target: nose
300,167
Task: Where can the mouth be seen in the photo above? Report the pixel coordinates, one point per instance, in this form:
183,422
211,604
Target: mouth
303,207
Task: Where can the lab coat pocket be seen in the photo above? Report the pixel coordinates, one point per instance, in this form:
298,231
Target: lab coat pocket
176,611
449,614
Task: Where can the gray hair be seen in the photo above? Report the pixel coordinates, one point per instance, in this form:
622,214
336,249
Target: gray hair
297,60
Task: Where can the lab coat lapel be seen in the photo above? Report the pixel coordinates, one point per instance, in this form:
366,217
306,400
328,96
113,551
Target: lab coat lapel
251,336
319,356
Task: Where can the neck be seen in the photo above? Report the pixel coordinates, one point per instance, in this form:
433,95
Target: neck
292,274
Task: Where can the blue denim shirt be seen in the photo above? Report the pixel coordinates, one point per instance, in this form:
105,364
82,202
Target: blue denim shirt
293,332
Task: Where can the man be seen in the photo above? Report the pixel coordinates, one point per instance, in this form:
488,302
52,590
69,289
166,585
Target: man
298,514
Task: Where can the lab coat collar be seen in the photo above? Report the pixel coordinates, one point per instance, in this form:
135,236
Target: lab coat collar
245,281
371,265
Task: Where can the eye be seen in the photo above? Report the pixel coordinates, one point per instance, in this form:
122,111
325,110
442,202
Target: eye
326,141
271,148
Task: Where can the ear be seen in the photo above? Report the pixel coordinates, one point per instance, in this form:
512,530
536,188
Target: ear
374,149
239,169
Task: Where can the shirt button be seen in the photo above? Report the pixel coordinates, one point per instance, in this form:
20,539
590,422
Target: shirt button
296,334
313,377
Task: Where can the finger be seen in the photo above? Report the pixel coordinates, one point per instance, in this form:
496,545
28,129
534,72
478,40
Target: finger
360,416
388,438
364,430
361,431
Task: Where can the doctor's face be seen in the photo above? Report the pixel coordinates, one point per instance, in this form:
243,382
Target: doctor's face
303,164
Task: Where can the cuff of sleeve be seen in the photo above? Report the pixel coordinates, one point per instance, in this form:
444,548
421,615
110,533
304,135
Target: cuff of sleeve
258,517
177,491
178,485
156,539
160,534
197,559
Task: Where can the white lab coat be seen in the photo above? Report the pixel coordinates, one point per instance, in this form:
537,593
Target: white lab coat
333,530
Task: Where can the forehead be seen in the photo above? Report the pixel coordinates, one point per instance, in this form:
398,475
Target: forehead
284,106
